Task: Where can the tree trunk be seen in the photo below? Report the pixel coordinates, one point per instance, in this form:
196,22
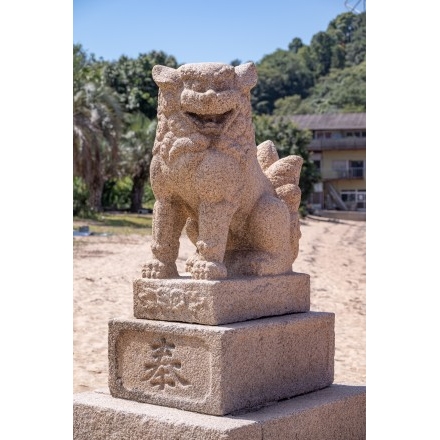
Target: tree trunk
139,179
95,195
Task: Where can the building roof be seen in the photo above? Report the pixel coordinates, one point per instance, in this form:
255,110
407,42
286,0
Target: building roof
331,121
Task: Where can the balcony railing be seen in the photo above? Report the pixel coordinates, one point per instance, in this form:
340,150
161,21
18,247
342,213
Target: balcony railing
352,143
350,173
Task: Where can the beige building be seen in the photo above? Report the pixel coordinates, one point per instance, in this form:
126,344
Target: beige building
338,148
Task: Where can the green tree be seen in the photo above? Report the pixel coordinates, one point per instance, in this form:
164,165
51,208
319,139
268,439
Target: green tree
116,193
292,82
356,48
82,67
289,139
322,48
349,33
343,90
137,149
96,128
288,105
132,80
279,74
295,45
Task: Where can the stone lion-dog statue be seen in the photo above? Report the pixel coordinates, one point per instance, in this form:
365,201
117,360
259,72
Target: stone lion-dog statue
238,202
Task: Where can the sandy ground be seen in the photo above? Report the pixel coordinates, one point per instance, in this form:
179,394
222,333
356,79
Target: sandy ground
104,268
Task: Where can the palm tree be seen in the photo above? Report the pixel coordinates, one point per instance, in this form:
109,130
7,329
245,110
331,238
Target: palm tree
136,154
96,129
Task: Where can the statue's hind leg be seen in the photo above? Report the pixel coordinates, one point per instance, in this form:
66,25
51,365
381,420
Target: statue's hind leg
192,231
269,238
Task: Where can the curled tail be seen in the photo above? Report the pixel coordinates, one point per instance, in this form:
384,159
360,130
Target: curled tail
284,175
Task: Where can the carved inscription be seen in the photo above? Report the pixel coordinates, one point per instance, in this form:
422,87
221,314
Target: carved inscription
163,369
165,299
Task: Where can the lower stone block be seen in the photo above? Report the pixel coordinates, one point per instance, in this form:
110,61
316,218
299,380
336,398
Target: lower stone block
221,369
334,413
215,302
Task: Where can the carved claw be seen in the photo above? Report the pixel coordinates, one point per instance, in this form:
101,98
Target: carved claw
191,261
207,270
157,269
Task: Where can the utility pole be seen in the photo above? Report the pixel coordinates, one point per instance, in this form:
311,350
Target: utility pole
355,6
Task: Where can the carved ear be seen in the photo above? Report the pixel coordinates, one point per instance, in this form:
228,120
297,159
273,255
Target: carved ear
165,76
246,75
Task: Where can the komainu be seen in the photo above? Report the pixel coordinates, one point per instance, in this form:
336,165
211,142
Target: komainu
238,202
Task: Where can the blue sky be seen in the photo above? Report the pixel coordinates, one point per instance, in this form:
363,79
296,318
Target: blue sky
199,30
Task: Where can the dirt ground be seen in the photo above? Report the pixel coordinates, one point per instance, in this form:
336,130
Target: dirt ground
333,253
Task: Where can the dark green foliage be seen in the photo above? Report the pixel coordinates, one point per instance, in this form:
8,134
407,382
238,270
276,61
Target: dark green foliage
96,126
280,74
133,82
322,48
290,105
81,207
137,152
116,194
318,78
83,67
295,45
350,30
343,90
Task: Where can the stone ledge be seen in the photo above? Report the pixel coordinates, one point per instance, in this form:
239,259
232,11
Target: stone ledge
334,413
220,369
215,302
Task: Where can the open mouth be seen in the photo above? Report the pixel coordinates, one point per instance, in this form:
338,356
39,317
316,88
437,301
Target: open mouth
210,121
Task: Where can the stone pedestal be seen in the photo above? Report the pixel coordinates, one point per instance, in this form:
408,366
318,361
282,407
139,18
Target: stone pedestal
334,413
220,369
201,361
221,302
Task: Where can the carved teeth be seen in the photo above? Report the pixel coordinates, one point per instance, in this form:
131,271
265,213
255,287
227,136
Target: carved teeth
210,119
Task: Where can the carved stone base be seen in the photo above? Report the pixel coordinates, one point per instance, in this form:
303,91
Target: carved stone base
223,301
334,413
221,369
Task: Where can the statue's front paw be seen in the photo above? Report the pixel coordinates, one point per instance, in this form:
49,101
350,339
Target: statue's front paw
207,270
157,269
193,259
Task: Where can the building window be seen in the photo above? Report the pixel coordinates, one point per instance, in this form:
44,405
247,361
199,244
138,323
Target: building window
339,165
324,135
358,134
355,200
356,168
348,169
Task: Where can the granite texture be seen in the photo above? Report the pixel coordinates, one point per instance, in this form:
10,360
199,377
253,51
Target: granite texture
215,302
334,413
238,202
220,369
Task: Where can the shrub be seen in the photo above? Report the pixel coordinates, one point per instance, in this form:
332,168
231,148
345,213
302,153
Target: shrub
116,194
81,206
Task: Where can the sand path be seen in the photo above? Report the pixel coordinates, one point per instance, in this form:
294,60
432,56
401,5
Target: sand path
334,254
